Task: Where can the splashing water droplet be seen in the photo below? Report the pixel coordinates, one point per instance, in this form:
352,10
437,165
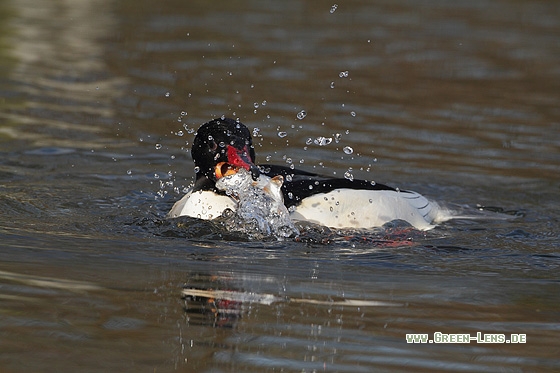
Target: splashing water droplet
256,105
129,172
282,134
348,174
167,94
343,74
158,146
196,169
302,114
333,8
348,150
322,141
263,103
332,84
353,113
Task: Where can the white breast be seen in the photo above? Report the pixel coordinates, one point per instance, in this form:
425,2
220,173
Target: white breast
202,204
349,208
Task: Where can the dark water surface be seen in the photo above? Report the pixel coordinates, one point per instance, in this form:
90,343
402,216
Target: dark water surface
99,100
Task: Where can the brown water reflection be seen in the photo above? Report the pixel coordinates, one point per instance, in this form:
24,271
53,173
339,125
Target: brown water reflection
98,104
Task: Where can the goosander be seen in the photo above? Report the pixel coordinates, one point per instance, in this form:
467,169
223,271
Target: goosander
222,146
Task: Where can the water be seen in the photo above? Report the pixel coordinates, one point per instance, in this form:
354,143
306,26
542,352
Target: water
260,212
99,101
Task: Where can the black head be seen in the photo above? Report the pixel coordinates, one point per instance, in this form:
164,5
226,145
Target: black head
223,141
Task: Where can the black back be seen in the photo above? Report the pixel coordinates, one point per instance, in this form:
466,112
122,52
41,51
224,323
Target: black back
302,184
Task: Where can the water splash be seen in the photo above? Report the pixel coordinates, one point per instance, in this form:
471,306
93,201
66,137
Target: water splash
260,206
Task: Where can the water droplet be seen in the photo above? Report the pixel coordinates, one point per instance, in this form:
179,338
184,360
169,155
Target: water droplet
282,134
372,182
333,8
156,176
196,169
353,113
348,150
158,146
129,172
348,174
256,105
256,131
322,141
268,158
263,103
337,137
343,74
332,84
180,133
302,114
167,94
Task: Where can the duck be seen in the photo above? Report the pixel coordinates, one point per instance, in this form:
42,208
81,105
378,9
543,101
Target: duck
223,145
